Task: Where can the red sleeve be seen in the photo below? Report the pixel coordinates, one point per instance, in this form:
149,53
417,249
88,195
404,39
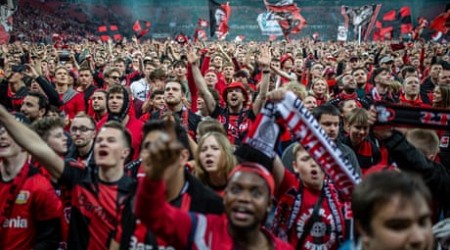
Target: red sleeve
289,181
46,204
205,64
192,88
170,223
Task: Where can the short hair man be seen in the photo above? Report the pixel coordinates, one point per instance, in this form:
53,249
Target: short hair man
107,189
83,132
392,211
30,210
34,106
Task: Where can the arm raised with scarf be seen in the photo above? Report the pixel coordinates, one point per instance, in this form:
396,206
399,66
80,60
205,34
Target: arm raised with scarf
32,143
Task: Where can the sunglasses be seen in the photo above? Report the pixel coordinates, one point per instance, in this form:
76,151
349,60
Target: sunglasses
115,77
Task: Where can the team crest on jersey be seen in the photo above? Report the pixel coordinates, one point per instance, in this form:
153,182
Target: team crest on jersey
322,234
22,197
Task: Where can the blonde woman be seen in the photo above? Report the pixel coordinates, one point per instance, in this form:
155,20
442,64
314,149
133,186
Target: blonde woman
319,89
214,160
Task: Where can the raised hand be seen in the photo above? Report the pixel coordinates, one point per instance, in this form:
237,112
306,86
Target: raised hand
192,57
161,154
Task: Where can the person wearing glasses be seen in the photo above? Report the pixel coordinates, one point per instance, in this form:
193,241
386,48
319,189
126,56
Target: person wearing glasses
111,77
82,131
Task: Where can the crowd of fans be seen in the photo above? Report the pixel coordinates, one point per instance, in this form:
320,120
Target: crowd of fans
132,145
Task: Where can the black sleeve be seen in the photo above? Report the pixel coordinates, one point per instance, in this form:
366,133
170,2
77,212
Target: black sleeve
50,91
48,234
74,172
4,99
100,82
407,157
217,111
340,68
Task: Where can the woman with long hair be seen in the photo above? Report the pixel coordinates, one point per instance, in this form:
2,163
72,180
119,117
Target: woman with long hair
214,160
319,89
441,97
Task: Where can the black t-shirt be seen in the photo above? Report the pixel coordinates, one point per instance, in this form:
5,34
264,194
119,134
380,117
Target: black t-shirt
236,124
188,119
99,209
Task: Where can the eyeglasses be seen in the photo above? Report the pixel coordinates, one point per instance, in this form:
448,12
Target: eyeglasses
81,129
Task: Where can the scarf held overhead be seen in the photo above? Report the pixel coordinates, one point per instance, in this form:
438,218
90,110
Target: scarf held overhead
262,138
398,115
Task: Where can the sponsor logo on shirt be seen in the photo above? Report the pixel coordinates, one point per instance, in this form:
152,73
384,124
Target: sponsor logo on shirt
17,222
22,197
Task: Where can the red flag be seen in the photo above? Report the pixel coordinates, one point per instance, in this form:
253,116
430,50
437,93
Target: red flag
107,32
289,17
141,28
441,23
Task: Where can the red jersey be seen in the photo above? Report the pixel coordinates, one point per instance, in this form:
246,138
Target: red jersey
289,223
73,105
36,201
99,209
181,229
134,127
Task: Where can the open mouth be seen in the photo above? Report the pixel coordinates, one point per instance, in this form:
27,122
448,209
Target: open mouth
102,153
241,213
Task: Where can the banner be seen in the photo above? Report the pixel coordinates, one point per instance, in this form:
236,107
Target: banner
288,16
400,115
269,24
219,15
361,18
107,32
394,24
6,20
342,34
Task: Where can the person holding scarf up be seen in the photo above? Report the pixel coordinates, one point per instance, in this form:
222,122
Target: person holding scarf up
309,213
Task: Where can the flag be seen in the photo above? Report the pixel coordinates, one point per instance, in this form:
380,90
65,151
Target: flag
181,39
202,23
239,38
393,24
288,15
269,24
6,20
342,33
219,15
200,35
107,32
361,16
140,28
442,22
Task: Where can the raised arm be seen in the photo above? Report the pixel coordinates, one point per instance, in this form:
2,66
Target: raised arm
31,142
264,63
151,205
200,82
